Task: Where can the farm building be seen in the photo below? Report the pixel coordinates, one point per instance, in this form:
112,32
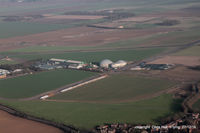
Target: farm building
105,63
75,66
3,71
119,64
74,62
57,61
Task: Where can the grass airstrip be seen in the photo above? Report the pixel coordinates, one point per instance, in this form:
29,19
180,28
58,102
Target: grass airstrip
116,88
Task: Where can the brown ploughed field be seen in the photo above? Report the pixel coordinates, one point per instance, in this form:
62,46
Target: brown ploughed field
12,124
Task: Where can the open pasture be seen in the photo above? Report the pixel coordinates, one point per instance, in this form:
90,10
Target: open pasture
116,88
34,84
88,115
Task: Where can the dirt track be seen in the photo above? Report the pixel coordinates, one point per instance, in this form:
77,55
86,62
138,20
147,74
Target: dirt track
12,124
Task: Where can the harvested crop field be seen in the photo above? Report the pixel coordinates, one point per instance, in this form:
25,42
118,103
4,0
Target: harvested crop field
180,60
12,124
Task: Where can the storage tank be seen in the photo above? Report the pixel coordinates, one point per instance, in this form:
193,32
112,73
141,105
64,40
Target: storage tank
105,63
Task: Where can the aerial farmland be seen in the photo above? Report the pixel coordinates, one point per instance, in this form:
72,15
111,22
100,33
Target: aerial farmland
99,66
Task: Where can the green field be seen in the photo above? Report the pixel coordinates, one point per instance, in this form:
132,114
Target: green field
88,115
116,88
128,55
31,85
13,29
192,51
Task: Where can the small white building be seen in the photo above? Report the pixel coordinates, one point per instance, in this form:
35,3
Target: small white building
74,62
75,66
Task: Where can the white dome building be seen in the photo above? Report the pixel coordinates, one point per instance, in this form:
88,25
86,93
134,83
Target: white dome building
118,64
105,63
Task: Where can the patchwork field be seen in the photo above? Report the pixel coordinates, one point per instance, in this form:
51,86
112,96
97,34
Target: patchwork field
116,88
90,31
88,115
31,85
81,36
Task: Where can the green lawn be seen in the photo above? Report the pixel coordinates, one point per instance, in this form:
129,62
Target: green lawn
88,115
31,85
128,55
116,88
